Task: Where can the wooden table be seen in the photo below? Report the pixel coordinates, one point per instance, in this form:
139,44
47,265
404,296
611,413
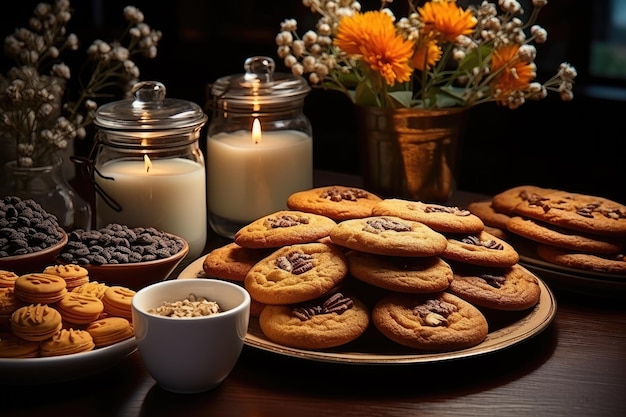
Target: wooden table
575,367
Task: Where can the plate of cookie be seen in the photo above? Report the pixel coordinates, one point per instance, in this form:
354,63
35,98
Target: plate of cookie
47,370
506,329
50,333
588,282
575,241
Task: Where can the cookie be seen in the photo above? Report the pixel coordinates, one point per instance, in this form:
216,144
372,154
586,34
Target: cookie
7,279
610,264
296,273
330,322
67,342
74,275
334,201
117,301
8,304
110,330
94,288
583,213
506,201
402,274
282,228
490,217
563,238
480,249
389,235
35,322
40,288
450,219
509,289
232,261
80,308
437,322
14,347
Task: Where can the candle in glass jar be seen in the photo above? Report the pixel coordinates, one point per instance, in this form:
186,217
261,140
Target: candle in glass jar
249,178
167,194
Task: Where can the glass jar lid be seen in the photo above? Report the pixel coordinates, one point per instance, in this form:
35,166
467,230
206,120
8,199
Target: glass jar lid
150,111
260,85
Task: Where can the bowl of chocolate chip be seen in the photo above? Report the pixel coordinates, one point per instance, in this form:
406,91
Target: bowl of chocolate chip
30,237
120,255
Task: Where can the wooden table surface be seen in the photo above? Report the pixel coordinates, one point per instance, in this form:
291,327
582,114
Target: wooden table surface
575,367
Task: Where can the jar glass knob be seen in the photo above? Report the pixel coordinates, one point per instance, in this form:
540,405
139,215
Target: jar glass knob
148,91
259,67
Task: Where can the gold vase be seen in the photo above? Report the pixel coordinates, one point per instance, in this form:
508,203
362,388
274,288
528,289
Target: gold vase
410,153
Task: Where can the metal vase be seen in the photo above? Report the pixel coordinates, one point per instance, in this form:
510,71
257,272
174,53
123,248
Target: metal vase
410,153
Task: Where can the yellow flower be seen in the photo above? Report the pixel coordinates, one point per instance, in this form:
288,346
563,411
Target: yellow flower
511,72
446,20
373,37
438,55
429,53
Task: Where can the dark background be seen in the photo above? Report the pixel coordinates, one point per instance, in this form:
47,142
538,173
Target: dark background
578,146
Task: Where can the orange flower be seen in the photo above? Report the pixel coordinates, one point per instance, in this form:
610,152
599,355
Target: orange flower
430,53
372,36
512,73
446,19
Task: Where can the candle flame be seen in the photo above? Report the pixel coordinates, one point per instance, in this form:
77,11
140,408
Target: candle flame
256,131
147,162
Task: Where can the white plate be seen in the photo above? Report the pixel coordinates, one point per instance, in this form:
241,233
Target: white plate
378,350
27,371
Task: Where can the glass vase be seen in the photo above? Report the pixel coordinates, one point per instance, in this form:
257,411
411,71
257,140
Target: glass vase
410,153
48,186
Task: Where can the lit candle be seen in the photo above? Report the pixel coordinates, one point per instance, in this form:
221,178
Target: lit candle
167,194
250,176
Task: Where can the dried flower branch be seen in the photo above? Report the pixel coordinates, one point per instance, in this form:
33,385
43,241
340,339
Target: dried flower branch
37,111
440,55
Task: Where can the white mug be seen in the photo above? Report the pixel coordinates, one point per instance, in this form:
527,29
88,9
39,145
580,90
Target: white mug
191,354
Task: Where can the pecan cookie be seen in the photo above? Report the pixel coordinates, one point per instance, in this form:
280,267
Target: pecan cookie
439,322
296,273
509,289
610,264
438,217
480,249
490,217
580,212
548,234
320,324
389,235
232,262
285,227
400,273
336,201
506,201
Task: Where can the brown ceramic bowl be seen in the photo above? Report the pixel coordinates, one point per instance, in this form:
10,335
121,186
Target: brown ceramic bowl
136,275
33,262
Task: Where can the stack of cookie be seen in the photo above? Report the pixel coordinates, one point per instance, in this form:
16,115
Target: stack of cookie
341,258
60,312
573,230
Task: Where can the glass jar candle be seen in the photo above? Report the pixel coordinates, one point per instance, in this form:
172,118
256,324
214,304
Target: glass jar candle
149,170
259,145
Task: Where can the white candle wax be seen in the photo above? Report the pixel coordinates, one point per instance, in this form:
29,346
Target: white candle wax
248,180
170,196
